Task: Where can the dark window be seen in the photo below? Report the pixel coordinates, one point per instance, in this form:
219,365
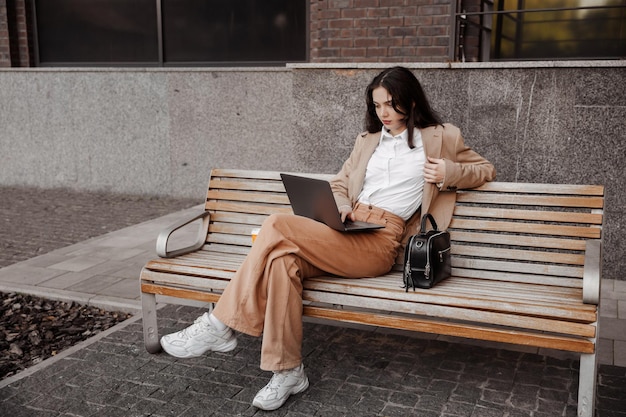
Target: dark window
97,31
219,31
175,32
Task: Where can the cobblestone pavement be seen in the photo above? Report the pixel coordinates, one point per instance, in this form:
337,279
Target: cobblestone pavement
35,221
353,372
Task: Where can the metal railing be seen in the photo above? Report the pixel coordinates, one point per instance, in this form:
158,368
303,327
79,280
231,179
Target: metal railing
476,38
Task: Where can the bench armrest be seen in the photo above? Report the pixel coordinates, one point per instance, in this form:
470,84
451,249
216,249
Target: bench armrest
592,272
163,238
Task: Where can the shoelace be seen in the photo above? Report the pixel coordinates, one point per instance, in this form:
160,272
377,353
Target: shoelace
194,329
277,380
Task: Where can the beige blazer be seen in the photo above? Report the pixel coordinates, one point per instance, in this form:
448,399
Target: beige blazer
464,169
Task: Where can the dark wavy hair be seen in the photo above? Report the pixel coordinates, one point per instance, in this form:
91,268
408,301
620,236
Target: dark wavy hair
407,98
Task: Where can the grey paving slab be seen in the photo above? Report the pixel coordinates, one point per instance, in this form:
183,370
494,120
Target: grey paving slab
66,280
608,308
44,261
25,274
108,268
620,354
124,288
129,242
96,284
613,328
619,286
78,263
606,351
103,252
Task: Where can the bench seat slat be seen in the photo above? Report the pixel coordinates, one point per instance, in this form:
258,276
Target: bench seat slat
193,270
536,188
195,258
517,277
536,200
257,197
525,228
274,186
516,267
261,175
529,215
161,278
518,254
184,293
242,207
517,240
226,249
232,229
241,218
450,329
224,238
241,173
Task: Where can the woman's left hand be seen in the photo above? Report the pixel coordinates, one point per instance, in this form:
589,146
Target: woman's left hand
435,170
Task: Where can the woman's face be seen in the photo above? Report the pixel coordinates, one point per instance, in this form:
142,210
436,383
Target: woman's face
391,119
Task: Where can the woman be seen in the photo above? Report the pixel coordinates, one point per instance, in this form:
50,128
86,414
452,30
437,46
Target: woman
407,163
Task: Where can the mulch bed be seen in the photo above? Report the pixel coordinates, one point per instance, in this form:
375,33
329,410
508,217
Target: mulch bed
33,329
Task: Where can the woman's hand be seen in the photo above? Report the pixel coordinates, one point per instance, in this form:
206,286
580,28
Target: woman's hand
435,170
346,212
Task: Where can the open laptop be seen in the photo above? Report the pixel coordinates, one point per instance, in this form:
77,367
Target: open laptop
313,198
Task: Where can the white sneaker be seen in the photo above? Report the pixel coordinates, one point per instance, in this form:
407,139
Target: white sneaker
281,386
198,339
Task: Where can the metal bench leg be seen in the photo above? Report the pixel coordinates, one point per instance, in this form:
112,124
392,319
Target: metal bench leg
150,329
587,385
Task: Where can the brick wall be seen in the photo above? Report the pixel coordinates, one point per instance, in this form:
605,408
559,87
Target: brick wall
5,51
380,30
15,46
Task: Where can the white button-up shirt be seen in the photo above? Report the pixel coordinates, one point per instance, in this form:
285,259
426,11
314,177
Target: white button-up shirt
394,179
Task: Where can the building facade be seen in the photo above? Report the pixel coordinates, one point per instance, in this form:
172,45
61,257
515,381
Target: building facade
242,33
338,31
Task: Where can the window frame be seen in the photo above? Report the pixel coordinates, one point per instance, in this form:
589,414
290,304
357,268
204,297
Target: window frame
161,49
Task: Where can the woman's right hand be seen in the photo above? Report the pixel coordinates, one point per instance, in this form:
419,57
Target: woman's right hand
346,212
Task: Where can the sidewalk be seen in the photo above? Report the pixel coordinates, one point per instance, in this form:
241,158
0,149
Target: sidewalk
353,372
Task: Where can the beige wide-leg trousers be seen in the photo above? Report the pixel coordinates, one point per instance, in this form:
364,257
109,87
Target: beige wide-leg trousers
265,295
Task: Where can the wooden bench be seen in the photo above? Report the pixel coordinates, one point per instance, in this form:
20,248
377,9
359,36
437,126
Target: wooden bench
526,268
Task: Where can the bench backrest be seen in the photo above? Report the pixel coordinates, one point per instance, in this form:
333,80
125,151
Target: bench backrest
521,232
500,231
